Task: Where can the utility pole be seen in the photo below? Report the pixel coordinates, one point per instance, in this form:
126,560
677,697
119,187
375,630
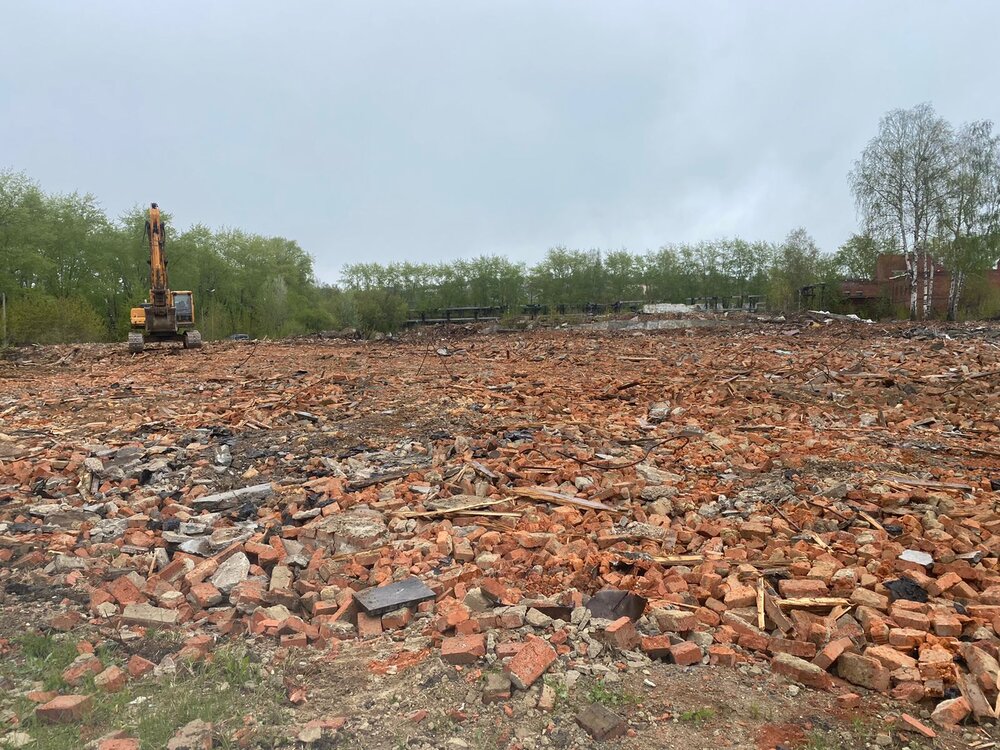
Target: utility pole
3,315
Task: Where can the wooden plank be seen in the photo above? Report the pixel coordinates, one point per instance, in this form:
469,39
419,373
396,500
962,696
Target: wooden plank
813,602
773,611
451,511
557,498
926,483
760,603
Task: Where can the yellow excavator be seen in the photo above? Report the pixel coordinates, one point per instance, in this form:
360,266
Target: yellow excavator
167,315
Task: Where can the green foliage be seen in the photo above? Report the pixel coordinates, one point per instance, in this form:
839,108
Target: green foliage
857,257
62,252
47,657
559,687
981,299
698,715
36,317
379,310
601,692
221,691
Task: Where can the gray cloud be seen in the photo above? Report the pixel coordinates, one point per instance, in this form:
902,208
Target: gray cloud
437,130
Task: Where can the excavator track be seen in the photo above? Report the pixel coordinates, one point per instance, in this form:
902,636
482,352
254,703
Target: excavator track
192,340
135,342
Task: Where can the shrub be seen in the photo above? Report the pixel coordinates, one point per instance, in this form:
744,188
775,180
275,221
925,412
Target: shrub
379,311
35,318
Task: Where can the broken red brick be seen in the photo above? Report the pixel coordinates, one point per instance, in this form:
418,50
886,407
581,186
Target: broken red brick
686,653
801,671
64,710
463,649
139,667
622,634
530,662
111,680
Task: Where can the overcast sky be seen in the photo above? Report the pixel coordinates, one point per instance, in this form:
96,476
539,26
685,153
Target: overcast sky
436,130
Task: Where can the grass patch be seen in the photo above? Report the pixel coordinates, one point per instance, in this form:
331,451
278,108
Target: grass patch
559,687
698,715
223,691
816,740
601,692
46,657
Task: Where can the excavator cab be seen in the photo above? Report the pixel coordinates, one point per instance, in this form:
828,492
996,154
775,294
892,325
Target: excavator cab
166,315
184,308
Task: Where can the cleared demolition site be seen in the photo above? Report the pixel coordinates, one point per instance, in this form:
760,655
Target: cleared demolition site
753,533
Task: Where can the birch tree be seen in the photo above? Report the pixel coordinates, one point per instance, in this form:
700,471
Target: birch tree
970,210
899,183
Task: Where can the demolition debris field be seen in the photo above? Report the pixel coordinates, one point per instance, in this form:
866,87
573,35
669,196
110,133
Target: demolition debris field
756,535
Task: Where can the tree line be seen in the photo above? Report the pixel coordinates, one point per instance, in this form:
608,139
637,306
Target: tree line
70,273
724,269
923,188
931,191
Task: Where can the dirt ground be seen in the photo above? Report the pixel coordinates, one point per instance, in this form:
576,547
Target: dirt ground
831,402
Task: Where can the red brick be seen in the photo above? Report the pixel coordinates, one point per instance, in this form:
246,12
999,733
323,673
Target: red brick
369,626
951,712
906,638
204,595
496,591
64,709
124,591
753,642
298,640
909,692
139,667
864,671
686,653
511,618
722,656
201,571
531,662
622,634
77,672
739,594
397,619
908,619
801,649
918,726
946,626
65,621
795,588
801,671
675,621
891,658
831,652
848,701
656,646
464,649
508,648
707,617
119,743
111,680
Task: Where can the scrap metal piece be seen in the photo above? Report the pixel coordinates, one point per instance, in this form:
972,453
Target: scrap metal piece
610,604
405,593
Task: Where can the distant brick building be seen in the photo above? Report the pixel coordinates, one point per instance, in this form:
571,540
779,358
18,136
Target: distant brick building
892,285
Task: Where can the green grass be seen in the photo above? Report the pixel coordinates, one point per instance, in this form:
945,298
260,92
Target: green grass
601,692
818,741
46,658
559,686
222,691
698,715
